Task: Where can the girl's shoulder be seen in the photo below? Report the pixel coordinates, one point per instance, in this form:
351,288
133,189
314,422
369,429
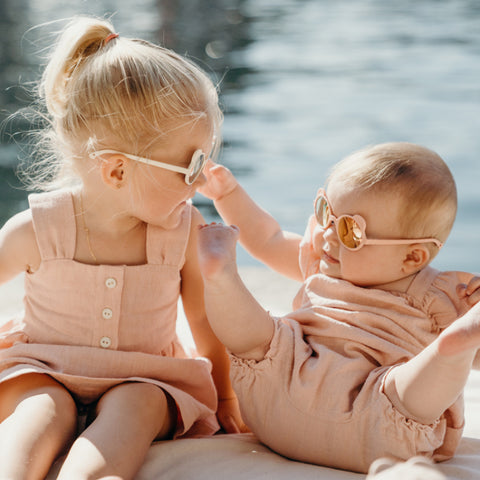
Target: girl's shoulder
18,246
196,218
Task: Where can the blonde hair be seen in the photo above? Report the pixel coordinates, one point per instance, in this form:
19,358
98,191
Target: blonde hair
416,174
125,94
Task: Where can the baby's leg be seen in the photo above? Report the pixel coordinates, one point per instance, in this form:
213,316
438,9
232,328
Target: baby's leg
237,319
39,420
129,417
463,334
431,382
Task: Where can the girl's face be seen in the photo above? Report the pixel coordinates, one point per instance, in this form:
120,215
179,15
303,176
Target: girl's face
372,265
159,196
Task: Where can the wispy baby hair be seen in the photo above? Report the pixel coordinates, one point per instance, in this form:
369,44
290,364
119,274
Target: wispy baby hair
416,174
125,94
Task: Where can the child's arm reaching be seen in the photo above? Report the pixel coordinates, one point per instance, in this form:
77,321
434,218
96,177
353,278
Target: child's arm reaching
260,233
207,344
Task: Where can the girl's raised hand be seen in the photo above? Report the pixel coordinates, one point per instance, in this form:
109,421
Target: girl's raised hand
220,181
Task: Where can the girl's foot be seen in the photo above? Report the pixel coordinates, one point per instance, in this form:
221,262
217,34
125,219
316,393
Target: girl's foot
217,249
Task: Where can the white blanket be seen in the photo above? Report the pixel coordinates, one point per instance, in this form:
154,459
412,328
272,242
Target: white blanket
241,456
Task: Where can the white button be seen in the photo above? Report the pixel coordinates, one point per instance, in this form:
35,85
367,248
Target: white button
105,342
111,282
107,313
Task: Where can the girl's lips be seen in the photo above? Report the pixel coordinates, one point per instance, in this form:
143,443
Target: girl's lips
328,258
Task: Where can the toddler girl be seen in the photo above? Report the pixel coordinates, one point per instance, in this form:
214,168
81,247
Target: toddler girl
106,255
371,362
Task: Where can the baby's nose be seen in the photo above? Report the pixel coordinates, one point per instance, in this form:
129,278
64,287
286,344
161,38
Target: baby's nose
330,233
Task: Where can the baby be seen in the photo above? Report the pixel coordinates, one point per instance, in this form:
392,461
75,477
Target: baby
372,362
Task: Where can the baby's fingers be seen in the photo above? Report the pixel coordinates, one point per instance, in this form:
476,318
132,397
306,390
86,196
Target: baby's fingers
470,291
474,298
473,285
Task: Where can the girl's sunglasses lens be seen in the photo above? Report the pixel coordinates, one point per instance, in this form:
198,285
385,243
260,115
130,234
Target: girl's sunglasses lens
322,212
198,161
349,233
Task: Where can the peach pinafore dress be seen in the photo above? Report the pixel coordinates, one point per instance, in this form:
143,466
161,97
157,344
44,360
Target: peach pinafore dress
92,327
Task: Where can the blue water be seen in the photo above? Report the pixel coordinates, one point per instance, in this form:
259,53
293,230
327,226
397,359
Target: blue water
303,82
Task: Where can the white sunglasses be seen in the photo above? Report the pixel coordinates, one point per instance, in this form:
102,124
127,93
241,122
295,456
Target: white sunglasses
192,172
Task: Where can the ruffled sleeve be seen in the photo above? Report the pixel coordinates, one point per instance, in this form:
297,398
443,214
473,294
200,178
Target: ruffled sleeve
441,301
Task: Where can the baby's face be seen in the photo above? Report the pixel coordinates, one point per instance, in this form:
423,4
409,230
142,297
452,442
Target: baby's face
371,265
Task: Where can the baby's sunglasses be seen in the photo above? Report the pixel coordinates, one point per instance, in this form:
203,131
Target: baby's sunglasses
192,172
351,229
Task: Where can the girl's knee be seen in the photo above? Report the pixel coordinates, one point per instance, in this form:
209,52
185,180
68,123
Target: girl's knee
38,393
144,403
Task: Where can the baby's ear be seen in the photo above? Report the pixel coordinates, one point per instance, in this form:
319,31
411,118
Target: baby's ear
417,257
113,171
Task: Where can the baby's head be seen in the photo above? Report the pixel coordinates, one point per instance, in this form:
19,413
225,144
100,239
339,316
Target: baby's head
386,212
107,91
415,175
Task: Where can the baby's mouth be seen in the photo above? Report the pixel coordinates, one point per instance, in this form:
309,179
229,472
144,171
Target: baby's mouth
328,258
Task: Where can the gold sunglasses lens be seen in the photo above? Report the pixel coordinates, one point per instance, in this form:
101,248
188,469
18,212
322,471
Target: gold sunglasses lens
349,232
322,212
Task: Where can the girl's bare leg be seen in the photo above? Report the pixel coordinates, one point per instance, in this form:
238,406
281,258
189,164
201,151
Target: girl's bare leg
39,420
237,319
431,382
129,417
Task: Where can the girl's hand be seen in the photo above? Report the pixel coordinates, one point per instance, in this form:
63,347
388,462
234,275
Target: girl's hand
220,181
470,292
228,415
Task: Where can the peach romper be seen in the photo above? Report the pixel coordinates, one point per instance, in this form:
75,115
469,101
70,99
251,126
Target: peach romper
92,327
318,396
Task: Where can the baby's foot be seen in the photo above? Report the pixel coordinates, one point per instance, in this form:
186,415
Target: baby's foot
217,249
462,335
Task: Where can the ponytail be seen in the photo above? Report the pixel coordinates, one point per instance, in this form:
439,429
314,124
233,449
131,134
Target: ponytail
81,38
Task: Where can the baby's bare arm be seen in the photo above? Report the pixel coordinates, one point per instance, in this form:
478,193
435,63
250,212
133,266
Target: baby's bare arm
260,233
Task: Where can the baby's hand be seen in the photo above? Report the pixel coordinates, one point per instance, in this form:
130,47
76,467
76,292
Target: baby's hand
470,292
220,181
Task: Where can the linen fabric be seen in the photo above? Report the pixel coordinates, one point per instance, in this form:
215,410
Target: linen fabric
319,395
92,327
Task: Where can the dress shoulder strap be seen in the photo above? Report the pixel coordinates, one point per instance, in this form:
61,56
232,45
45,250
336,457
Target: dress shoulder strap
168,247
54,223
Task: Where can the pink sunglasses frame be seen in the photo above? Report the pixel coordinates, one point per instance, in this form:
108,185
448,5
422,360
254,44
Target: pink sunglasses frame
362,224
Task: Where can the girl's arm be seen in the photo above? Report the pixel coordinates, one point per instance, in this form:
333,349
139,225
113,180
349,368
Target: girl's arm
205,340
260,233
18,247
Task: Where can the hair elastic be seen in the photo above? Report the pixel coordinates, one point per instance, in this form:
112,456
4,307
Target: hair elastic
109,37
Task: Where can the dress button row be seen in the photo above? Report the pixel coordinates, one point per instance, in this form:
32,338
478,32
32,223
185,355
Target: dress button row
105,342
110,282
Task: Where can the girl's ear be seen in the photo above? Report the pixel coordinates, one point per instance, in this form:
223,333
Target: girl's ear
113,171
417,257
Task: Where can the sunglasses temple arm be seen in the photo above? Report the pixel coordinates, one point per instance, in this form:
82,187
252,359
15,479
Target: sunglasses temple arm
404,241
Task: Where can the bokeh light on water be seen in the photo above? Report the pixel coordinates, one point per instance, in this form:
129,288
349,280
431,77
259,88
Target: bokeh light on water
303,83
